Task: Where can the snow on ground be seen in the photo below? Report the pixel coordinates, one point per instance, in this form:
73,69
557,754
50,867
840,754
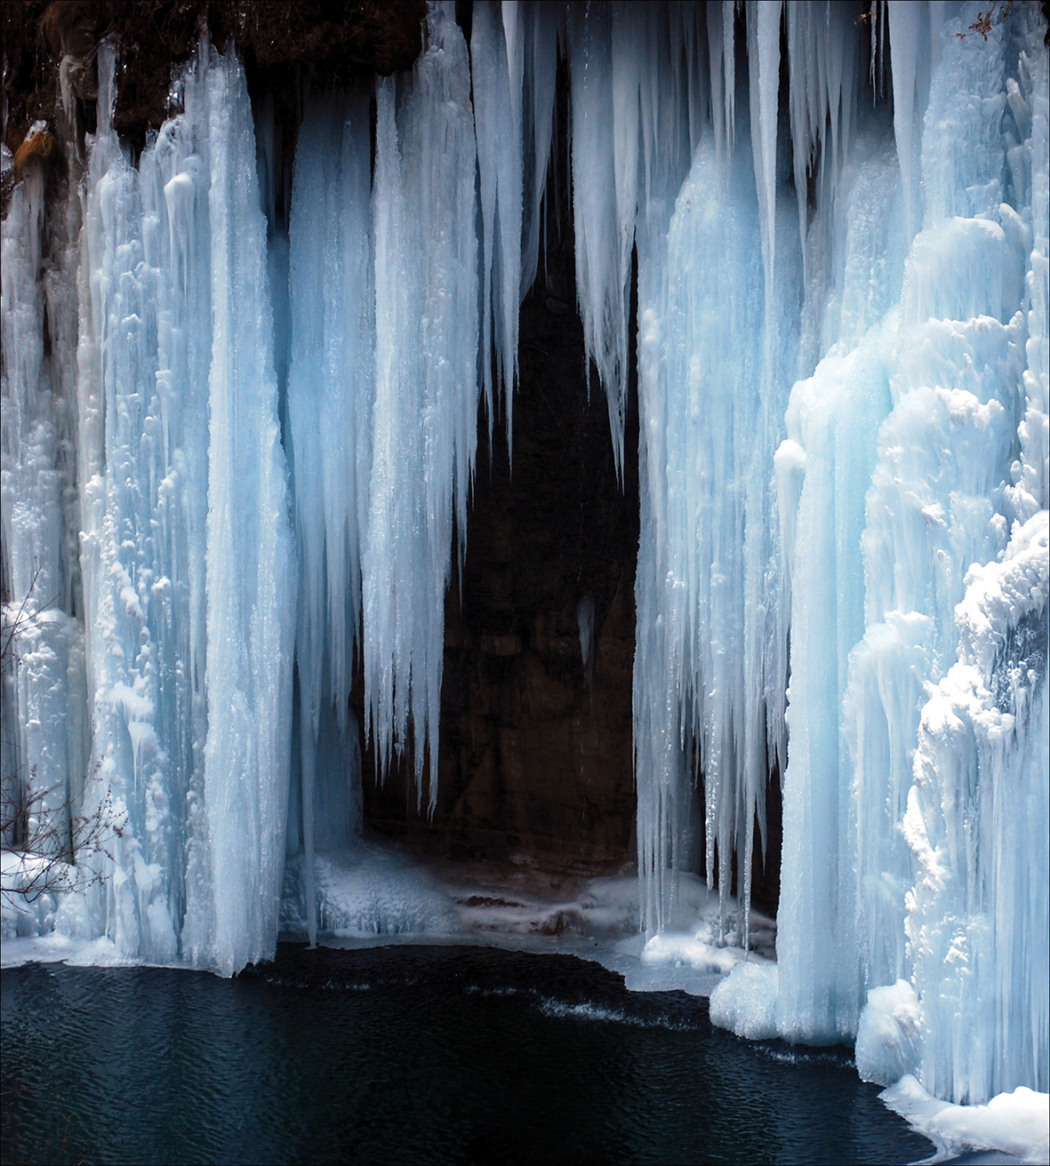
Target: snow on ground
374,893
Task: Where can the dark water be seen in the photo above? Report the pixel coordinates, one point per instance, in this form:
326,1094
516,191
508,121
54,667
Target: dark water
403,1055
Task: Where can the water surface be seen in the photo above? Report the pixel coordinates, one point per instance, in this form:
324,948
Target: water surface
411,1054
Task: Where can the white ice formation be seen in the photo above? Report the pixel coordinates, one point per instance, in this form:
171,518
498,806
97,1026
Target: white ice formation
245,455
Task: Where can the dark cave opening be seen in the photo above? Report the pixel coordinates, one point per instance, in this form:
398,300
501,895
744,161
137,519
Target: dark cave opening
536,740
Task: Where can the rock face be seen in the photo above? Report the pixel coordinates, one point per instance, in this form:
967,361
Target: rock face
279,40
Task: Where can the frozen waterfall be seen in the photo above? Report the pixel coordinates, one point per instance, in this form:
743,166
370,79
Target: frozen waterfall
238,464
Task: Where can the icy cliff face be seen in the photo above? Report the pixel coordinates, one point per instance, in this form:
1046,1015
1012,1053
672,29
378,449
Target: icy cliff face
247,457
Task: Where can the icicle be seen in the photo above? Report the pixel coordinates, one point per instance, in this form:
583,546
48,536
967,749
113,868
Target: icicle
729,8
763,50
821,58
1032,478
905,33
626,168
585,625
497,116
536,40
715,65
603,234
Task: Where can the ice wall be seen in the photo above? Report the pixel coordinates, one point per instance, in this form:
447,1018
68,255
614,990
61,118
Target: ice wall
976,815
977,933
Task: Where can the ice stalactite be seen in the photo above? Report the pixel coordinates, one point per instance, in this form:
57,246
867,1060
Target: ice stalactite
763,50
638,106
532,32
603,226
496,87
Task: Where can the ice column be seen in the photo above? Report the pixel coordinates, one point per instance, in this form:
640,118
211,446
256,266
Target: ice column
133,512
823,469
703,417
187,551
330,391
854,264
250,559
